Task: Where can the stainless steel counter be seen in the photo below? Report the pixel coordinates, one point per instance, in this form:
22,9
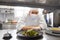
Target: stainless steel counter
13,32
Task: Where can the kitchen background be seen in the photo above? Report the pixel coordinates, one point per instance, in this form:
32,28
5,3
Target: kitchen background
9,16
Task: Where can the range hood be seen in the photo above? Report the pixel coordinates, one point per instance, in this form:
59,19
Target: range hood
32,3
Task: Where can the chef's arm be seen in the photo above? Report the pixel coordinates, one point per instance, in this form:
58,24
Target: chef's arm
42,22
21,23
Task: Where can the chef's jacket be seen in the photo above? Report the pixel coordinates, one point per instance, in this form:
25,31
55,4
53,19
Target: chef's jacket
30,21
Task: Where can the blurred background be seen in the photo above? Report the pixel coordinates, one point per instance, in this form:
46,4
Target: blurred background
9,16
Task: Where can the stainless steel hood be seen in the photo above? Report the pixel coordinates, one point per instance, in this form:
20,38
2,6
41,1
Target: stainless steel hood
32,3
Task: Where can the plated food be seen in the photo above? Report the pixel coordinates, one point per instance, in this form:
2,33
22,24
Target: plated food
30,33
55,30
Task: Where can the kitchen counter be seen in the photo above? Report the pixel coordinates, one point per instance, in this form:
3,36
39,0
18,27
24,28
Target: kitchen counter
13,32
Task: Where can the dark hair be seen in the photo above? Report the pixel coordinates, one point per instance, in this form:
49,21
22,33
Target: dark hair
45,11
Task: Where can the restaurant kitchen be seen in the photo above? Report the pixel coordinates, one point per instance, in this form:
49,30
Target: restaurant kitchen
11,13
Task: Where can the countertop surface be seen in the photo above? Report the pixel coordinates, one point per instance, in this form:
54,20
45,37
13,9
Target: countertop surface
14,35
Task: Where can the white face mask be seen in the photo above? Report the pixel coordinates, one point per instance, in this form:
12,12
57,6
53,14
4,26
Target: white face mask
33,15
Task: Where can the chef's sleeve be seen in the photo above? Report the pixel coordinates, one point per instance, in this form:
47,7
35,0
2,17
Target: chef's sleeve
21,23
42,22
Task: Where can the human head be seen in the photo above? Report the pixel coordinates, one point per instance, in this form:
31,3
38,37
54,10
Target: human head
33,11
45,11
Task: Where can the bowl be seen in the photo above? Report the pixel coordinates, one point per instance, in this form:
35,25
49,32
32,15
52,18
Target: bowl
20,36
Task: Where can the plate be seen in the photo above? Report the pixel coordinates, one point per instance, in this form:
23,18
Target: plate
49,32
20,36
55,30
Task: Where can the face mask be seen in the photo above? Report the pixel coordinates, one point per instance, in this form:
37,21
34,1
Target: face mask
33,15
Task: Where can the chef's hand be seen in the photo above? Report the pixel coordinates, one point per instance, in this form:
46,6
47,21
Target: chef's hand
37,28
31,27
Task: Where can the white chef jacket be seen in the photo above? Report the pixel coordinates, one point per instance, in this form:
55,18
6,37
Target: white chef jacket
30,21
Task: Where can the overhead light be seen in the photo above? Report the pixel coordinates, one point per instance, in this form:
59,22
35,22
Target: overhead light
20,0
41,1
26,0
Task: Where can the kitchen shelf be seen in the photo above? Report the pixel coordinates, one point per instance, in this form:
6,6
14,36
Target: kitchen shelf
55,4
6,10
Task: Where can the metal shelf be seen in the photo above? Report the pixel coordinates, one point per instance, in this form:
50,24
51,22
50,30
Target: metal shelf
29,4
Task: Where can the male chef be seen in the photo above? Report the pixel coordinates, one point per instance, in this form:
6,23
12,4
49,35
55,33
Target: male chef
33,20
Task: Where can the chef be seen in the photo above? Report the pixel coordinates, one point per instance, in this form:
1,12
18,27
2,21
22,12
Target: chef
48,17
33,20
